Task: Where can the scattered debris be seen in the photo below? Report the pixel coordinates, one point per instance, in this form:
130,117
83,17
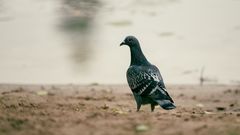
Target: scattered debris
227,91
116,111
237,110
203,78
108,98
20,89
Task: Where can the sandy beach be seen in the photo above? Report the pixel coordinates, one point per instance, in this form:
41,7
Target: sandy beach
110,109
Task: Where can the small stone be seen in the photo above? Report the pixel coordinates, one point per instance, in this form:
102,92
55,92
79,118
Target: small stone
105,107
221,108
208,112
42,93
200,105
116,111
181,95
216,100
193,116
142,128
194,97
227,91
237,91
178,115
186,119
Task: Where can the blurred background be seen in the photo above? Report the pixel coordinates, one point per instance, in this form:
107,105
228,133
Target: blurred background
77,41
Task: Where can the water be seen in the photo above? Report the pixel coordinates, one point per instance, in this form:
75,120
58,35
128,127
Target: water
77,41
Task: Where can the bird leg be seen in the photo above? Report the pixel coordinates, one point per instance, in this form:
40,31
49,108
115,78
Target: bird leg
138,106
138,101
152,107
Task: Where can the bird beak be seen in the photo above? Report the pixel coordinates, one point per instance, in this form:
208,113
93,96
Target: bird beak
123,43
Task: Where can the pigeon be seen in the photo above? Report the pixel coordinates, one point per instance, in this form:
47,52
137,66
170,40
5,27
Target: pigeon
145,80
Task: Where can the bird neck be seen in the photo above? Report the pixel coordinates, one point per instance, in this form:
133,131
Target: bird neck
137,56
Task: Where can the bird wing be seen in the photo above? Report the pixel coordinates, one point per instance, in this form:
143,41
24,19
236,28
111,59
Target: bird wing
147,81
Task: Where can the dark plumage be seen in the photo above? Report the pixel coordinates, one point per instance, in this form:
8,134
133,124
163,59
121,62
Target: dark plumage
145,80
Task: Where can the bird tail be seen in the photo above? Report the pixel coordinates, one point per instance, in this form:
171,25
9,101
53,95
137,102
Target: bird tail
166,104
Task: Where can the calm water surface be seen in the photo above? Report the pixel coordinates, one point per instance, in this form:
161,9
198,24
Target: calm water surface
77,41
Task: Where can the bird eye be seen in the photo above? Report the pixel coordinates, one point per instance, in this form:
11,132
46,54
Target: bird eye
130,40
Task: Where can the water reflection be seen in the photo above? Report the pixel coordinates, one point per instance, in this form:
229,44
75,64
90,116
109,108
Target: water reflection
41,38
1,10
77,23
1,5
151,3
148,7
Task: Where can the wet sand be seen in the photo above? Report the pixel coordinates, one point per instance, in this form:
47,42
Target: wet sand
110,109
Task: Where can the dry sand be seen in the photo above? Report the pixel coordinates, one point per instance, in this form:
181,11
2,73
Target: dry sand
111,110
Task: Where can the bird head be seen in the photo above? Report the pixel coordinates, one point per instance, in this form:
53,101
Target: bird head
130,41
